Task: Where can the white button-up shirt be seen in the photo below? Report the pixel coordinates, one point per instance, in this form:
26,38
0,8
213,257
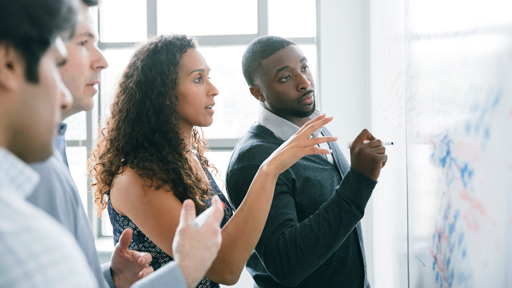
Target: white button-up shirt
35,250
284,129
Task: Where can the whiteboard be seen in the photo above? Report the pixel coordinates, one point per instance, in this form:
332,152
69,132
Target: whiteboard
441,82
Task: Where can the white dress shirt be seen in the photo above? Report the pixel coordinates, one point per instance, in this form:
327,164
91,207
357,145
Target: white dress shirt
35,250
284,129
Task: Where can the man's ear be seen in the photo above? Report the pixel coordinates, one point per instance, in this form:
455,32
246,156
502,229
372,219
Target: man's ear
257,93
10,68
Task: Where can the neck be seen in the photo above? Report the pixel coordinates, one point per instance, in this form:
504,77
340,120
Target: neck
186,134
5,131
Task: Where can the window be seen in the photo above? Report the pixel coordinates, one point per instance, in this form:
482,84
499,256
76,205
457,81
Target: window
223,28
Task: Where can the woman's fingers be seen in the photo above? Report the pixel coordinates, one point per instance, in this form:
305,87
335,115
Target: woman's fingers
319,140
316,150
310,127
314,120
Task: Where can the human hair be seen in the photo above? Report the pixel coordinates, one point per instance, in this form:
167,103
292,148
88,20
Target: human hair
258,50
143,131
90,3
31,27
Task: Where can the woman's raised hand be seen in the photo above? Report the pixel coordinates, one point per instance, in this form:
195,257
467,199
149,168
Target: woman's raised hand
300,145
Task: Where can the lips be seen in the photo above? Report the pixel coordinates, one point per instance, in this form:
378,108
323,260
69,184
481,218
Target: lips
307,97
93,83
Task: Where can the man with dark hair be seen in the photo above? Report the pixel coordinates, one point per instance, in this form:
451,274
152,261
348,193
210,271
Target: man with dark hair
312,237
56,193
35,249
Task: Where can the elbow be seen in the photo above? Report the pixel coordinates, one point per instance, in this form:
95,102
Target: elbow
286,278
288,281
229,277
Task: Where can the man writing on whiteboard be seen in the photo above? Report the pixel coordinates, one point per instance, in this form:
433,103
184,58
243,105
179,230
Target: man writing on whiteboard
312,237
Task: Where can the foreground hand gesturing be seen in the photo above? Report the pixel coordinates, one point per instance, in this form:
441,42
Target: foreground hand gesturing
195,250
128,266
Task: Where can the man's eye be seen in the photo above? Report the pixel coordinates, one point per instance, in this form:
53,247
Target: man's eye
306,68
83,43
62,63
285,78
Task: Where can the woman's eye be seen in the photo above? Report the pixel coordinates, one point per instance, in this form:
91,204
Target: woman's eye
83,43
198,79
305,68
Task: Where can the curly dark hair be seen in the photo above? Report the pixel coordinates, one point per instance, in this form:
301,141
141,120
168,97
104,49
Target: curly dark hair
143,130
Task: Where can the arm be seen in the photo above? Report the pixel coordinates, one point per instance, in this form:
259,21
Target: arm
168,276
156,212
105,269
291,250
194,251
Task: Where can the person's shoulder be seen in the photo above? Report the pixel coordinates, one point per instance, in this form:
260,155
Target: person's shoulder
129,188
56,187
36,238
52,169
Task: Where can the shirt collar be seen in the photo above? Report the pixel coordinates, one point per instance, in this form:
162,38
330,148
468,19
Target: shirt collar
281,127
16,176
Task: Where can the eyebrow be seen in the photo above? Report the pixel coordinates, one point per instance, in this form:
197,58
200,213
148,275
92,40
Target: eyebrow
197,70
286,67
87,34
281,69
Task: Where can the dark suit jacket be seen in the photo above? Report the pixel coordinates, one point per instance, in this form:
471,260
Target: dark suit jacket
309,239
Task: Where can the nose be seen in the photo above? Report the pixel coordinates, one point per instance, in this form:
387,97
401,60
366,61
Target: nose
213,90
98,62
303,83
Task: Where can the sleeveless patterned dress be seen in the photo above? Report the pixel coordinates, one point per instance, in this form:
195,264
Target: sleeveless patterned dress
140,242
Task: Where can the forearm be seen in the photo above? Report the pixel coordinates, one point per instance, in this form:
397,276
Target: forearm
241,234
291,251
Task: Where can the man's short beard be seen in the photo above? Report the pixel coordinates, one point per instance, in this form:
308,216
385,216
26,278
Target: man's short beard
299,114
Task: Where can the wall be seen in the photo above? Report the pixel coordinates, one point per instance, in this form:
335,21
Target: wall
343,84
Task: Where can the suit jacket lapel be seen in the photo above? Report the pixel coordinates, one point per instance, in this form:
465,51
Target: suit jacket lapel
337,155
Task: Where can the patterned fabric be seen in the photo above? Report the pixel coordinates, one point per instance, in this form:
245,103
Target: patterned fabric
36,250
140,242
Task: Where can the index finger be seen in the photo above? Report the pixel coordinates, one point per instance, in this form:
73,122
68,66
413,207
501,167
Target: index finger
314,120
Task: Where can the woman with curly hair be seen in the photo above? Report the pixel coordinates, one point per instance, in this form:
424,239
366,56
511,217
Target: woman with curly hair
150,158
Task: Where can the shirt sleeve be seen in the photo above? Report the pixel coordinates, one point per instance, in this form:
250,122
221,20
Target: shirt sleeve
107,274
289,250
169,275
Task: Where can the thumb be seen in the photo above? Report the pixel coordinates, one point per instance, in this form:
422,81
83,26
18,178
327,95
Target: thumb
125,239
188,212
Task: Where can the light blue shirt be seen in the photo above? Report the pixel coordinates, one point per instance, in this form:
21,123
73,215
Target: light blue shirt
35,250
58,196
